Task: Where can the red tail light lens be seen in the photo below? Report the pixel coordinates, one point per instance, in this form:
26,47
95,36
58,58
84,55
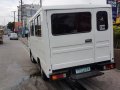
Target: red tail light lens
109,66
58,76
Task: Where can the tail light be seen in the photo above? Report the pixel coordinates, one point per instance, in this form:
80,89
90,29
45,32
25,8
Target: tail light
109,66
58,76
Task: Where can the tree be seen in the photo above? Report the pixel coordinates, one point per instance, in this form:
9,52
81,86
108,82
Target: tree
11,26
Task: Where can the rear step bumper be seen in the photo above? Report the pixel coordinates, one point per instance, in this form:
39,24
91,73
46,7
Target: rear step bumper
84,71
106,66
87,75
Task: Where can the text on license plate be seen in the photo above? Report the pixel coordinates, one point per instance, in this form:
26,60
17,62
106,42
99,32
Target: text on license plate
83,70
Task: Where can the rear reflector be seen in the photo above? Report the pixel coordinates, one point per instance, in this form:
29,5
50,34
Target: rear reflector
58,76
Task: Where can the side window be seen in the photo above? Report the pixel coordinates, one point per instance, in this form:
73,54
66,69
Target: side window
32,28
38,26
35,26
102,21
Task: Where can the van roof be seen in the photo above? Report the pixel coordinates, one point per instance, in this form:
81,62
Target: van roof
72,2
64,7
67,4
77,6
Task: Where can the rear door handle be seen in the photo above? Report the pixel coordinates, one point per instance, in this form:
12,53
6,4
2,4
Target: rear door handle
88,40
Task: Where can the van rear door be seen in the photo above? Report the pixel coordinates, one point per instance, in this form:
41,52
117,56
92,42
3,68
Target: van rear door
103,34
71,37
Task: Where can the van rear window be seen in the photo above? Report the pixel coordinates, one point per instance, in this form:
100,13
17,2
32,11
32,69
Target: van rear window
71,23
102,21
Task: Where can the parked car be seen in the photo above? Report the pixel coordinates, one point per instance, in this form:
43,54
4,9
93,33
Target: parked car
13,36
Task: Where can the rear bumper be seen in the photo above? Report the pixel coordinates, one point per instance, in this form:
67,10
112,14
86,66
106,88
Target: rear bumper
13,38
95,70
87,75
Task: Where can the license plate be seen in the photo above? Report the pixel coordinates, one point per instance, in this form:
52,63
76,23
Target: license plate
83,70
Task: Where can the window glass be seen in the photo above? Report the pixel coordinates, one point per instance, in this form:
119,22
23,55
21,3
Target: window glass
102,21
71,23
38,26
32,28
35,26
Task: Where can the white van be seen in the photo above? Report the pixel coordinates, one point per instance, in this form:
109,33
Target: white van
71,40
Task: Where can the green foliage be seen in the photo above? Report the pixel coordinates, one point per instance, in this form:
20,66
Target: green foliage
116,36
10,26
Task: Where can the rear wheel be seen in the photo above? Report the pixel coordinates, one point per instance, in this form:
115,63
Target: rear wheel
43,76
32,58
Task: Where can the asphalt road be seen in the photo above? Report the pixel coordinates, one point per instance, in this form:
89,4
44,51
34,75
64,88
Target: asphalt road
18,73
15,64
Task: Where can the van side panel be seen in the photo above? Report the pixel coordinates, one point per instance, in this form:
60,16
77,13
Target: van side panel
39,46
47,68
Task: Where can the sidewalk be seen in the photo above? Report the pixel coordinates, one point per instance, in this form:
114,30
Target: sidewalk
24,41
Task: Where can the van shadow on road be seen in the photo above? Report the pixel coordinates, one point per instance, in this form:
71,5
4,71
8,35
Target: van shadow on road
35,82
32,82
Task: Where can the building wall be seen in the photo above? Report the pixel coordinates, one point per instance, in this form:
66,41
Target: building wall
28,10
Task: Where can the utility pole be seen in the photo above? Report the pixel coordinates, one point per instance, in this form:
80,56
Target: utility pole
14,19
40,3
14,15
21,9
18,13
21,12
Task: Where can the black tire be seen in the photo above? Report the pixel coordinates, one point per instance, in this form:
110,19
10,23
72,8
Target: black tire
42,74
32,58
